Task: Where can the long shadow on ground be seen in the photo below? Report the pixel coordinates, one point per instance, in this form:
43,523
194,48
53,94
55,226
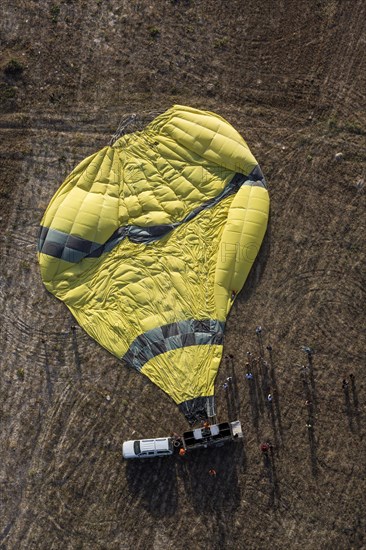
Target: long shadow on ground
258,268
310,394
213,493
154,482
269,463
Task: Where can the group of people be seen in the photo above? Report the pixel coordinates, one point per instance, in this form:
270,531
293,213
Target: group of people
249,374
265,447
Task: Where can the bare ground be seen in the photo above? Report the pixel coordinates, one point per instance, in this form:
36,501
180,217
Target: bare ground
291,78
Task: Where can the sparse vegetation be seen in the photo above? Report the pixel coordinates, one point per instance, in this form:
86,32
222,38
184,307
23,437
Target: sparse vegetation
355,128
55,12
55,97
14,68
332,123
25,265
303,140
336,126
220,43
7,92
20,373
154,32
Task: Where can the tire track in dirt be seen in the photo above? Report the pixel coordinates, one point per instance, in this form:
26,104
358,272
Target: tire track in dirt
23,326
345,78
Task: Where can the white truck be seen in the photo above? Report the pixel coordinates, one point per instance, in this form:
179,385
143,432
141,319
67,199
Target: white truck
148,448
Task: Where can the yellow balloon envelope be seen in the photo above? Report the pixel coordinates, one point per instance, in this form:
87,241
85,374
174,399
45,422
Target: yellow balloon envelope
149,240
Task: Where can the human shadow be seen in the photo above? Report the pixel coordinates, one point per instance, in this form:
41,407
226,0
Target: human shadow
258,382
268,397
258,267
313,449
272,414
356,409
310,401
47,371
232,391
265,381
276,409
259,387
269,463
213,493
253,399
154,482
348,406
260,343
230,403
75,349
311,376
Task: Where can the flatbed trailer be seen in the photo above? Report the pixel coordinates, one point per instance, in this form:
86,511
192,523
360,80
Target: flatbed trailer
212,435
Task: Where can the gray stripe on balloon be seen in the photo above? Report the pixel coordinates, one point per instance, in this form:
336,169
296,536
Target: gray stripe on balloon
190,332
73,249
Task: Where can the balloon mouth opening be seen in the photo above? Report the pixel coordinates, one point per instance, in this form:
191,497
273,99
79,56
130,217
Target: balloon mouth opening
198,409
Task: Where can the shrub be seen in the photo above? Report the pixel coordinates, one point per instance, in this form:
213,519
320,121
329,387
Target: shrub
14,68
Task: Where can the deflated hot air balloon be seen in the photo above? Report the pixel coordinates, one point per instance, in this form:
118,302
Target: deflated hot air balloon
148,242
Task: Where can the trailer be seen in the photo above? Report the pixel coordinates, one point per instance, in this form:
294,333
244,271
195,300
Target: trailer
212,435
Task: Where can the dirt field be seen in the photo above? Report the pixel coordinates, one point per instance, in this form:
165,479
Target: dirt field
291,77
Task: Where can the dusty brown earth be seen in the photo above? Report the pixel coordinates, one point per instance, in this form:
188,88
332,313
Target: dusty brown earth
291,77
